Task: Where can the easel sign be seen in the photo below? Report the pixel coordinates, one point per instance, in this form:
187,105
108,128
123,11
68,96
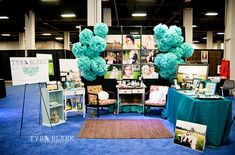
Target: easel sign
26,70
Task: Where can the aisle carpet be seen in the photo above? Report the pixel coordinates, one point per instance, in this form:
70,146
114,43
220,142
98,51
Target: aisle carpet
124,128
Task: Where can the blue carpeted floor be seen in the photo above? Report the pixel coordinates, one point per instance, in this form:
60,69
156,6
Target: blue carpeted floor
37,139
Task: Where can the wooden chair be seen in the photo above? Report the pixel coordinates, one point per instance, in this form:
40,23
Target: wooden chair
157,96
94,101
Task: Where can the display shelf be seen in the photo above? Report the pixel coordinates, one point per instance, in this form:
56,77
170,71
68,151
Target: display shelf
52,107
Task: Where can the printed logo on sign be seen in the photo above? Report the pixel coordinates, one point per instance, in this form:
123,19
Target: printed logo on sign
31,71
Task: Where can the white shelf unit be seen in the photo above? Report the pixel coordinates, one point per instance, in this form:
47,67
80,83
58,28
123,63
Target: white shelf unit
53,105
80,93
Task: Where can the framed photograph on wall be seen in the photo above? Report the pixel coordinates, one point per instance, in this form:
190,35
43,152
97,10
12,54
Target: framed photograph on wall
191,135
204,56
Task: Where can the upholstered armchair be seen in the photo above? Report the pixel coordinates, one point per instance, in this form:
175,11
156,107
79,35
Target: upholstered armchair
157,96
99,98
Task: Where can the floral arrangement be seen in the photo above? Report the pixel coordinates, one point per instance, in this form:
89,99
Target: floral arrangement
170,42
88,51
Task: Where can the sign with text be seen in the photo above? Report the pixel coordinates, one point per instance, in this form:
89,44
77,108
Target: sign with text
25,70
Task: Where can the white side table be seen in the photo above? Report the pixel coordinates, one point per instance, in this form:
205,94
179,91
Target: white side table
75,92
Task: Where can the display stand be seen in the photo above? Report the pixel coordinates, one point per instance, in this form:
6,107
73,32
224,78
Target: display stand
22,114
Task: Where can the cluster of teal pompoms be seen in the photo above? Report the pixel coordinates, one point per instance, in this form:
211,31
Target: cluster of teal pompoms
88,51
170,42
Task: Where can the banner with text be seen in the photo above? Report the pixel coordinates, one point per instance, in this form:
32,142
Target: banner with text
25,70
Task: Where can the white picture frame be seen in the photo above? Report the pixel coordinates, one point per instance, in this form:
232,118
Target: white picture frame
190,135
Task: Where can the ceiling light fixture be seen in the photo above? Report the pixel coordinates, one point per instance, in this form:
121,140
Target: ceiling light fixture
59,38
211,14
49,0
4,17
68,15
220,33
77,27
139,14
46,34
194,26
204,38
5,34
196,41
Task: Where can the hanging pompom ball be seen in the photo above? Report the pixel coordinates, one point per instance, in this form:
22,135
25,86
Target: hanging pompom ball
159,31
98,65
85,36
84,63
88,75
97,44
101,29
187,50
78,49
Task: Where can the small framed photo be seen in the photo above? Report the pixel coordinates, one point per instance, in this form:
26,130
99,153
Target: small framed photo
204,56
191,135
218,69
52,85
210,88
196,83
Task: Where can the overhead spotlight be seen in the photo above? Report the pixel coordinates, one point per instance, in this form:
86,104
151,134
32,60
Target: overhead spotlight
46,34
59,38
220,33
211,14
77,27
195,41
205,38
194,26
68,15
5,34
139,14
4,17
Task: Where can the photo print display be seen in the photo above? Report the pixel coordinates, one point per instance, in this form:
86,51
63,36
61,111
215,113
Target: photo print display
148,56
149,71
191,135
130,71
114,42
204,56
113,57
187,72
148,42
131,41
131,57
113,72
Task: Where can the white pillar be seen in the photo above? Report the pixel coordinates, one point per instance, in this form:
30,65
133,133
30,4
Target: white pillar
93,12
22,41
219,44
30,30
107,16
209,40
188,24
66,40
229,37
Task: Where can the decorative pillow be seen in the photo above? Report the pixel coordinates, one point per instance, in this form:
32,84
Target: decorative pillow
103,95
155,95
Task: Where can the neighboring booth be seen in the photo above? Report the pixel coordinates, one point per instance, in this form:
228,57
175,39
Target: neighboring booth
2,88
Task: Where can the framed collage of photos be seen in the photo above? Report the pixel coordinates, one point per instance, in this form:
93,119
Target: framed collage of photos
130,55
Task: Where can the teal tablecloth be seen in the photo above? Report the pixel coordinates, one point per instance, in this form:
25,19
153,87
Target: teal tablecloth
216,114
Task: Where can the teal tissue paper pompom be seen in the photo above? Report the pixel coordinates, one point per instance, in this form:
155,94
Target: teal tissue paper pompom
89,75
97,44
84,63
101,29
98,65
177,51
181,61
78,49
90,53
159,31
187,50
176,29
157,60
85,36
169,60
